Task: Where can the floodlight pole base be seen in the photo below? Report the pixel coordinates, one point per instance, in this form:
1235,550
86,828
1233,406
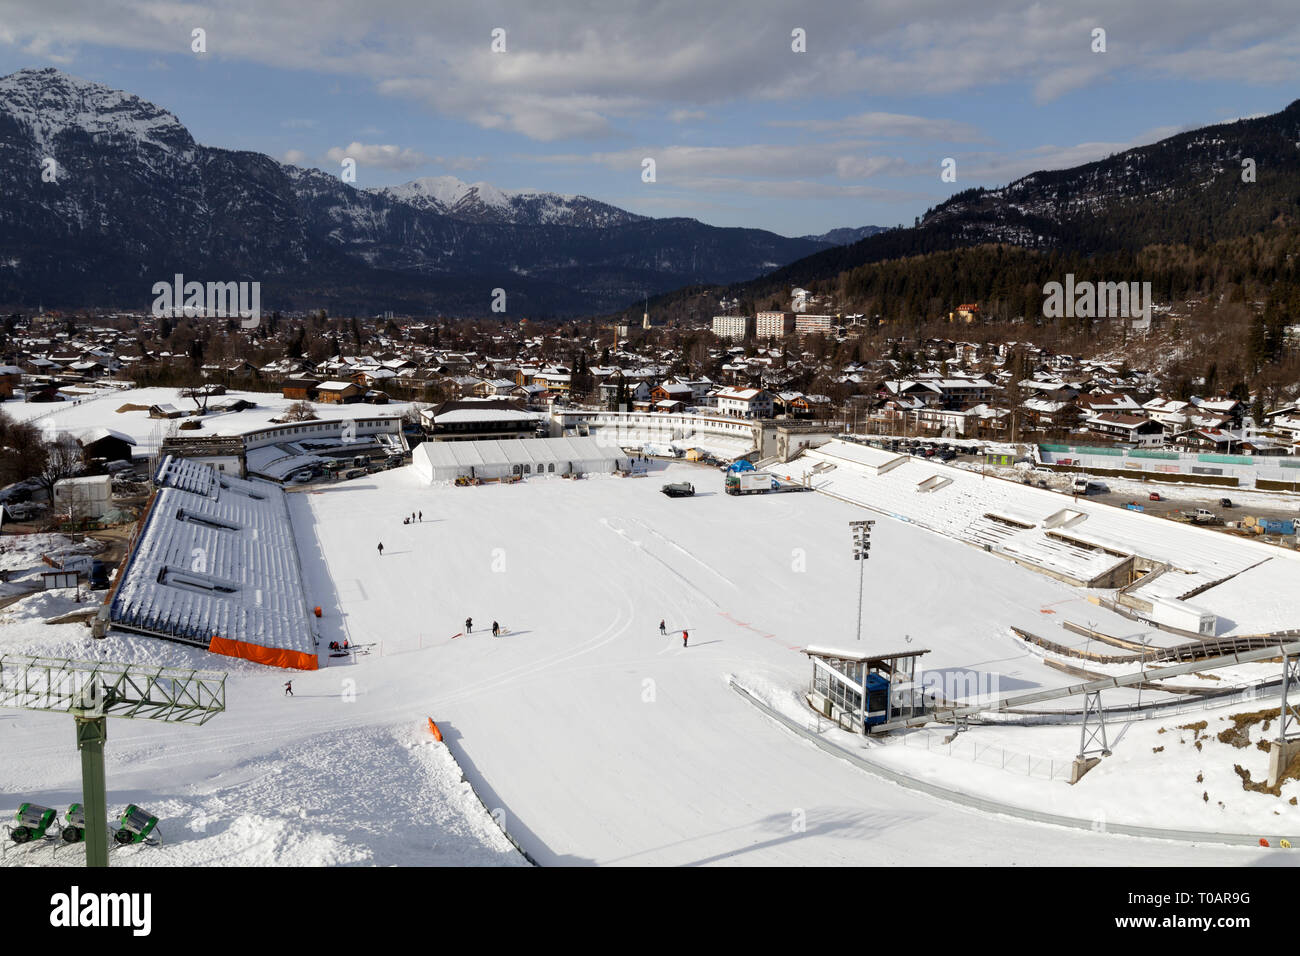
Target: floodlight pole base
91,734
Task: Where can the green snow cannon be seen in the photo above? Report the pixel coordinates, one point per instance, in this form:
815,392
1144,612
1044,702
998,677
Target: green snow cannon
136,826
74,830
33,821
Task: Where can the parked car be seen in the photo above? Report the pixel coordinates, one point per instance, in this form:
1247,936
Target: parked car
24,510
354,473
1154,496
98,576
303,475
1225,502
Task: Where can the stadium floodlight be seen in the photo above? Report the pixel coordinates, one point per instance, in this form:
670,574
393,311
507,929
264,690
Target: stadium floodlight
93,691
861,552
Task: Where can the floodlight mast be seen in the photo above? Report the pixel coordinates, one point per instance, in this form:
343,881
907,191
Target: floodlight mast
861,551
93,691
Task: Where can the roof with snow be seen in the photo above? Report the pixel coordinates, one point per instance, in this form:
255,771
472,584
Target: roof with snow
217,566
444,461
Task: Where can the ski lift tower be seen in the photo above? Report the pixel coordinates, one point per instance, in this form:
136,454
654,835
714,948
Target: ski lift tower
93,691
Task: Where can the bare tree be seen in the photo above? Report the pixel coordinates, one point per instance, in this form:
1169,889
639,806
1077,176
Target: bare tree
22,450
63,459
300,412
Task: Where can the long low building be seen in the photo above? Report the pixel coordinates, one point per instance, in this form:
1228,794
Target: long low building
215,566
522,457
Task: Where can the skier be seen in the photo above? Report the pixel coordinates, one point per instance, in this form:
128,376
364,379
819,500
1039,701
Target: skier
421,515
684,637
288,689
381,549
496,629
469,624
412,516
662,629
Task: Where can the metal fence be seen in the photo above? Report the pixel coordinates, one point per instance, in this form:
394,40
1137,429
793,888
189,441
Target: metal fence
987,755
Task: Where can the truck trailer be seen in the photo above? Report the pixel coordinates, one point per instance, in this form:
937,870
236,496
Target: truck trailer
750,483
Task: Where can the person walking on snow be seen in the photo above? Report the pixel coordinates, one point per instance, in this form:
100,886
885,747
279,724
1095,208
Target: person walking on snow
662,629
381,549
684,637
421,515
469,624
496,629
413,516
288,689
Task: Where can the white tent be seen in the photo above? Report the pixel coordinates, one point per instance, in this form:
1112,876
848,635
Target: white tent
449,460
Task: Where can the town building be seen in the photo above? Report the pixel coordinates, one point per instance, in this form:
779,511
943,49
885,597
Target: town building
734,328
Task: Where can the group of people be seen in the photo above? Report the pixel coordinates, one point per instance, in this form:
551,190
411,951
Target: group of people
414,518
336,646
469,626
685,634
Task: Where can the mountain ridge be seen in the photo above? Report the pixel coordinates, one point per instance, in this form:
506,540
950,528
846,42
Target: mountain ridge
136,199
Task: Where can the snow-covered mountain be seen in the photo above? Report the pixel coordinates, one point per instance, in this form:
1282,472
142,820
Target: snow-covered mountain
483,202
49,103
846,235
134,200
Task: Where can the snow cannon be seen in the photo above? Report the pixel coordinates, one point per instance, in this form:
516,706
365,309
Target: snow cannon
137,826
33,820
74,825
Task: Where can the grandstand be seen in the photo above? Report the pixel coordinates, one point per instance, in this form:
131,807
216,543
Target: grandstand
1080,542
215,565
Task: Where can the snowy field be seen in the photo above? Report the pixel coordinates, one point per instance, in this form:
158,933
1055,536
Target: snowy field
604,742
591,737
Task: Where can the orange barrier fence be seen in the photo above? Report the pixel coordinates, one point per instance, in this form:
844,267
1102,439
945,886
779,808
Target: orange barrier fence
273,656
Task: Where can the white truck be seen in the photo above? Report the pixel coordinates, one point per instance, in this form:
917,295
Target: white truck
749,482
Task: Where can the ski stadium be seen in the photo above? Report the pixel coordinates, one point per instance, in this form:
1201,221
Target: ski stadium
746,731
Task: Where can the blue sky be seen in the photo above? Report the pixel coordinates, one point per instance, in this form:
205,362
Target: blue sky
744,130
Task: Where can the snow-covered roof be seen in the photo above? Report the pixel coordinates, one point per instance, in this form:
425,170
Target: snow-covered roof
483,415
436,460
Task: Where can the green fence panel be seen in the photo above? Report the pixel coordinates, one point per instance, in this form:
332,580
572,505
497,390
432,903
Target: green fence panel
1153,453
1289,462
1227,459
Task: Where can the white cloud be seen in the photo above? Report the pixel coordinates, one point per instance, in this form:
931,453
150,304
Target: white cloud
889,125
293,157
584,68
378,156
736,161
